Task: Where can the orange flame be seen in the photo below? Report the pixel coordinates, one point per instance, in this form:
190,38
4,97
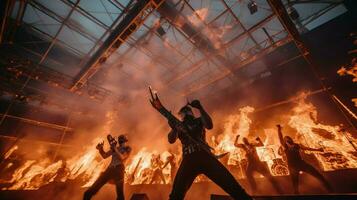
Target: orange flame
338,154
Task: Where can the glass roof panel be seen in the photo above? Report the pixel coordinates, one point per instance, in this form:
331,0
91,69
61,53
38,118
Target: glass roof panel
226,27
159,47
177,40
331,14
207,10
75,40
56,6
84,23
195,18
239,48
40,20
275,29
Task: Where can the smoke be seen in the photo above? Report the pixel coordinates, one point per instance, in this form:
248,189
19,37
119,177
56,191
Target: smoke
143,125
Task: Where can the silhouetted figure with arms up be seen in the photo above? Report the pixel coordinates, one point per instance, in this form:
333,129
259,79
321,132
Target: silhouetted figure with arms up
255,164
197,156
296,162
115,171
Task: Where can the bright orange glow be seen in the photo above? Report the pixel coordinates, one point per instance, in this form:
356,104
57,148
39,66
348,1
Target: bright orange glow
86,165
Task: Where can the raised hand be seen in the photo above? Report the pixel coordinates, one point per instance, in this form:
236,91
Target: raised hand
155,101
100,145
279,126
237,137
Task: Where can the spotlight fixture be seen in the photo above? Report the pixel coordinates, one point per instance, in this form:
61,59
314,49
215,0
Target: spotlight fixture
293,13
160,31
253,7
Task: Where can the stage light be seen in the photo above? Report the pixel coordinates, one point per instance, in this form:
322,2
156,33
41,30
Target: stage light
293,13
253,7
160,31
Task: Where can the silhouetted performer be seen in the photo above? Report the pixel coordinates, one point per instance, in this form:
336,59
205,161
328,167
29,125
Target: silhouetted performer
115,171
197,158
157,164
255,164
296,163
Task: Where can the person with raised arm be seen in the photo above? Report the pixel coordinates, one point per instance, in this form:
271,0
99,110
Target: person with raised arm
296,164
197,156
116,168
255,164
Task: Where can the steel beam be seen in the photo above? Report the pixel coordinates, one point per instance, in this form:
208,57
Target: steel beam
38,123
34,141
8,5
284,18
134,18
240,65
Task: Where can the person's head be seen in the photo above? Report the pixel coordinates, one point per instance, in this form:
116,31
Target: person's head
288,140
186,112
245,141
122,139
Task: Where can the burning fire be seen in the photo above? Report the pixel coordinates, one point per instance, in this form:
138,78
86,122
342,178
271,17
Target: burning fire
350,70
140,168
338,151
226,144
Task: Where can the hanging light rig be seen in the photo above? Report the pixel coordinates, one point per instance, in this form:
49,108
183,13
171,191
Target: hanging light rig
253,7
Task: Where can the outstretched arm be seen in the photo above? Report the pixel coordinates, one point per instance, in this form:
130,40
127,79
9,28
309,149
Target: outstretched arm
281,136
259,142
101,150
206,119
238,145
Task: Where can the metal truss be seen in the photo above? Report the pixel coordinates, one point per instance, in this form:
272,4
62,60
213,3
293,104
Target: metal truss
209,51
21,68
291,2
247,32
38,123
11,138
134,19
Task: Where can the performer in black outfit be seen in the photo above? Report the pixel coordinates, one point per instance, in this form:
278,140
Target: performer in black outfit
255,164
197,158
115,171
296,162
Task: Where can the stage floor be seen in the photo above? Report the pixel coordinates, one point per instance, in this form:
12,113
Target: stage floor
343,181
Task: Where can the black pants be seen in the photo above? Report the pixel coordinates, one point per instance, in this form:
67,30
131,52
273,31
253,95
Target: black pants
201,162
111,173
261,168
305,167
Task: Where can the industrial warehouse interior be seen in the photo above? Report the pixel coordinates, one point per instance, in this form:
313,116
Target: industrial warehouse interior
178,99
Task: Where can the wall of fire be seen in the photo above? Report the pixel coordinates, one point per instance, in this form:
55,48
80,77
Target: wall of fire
287,75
